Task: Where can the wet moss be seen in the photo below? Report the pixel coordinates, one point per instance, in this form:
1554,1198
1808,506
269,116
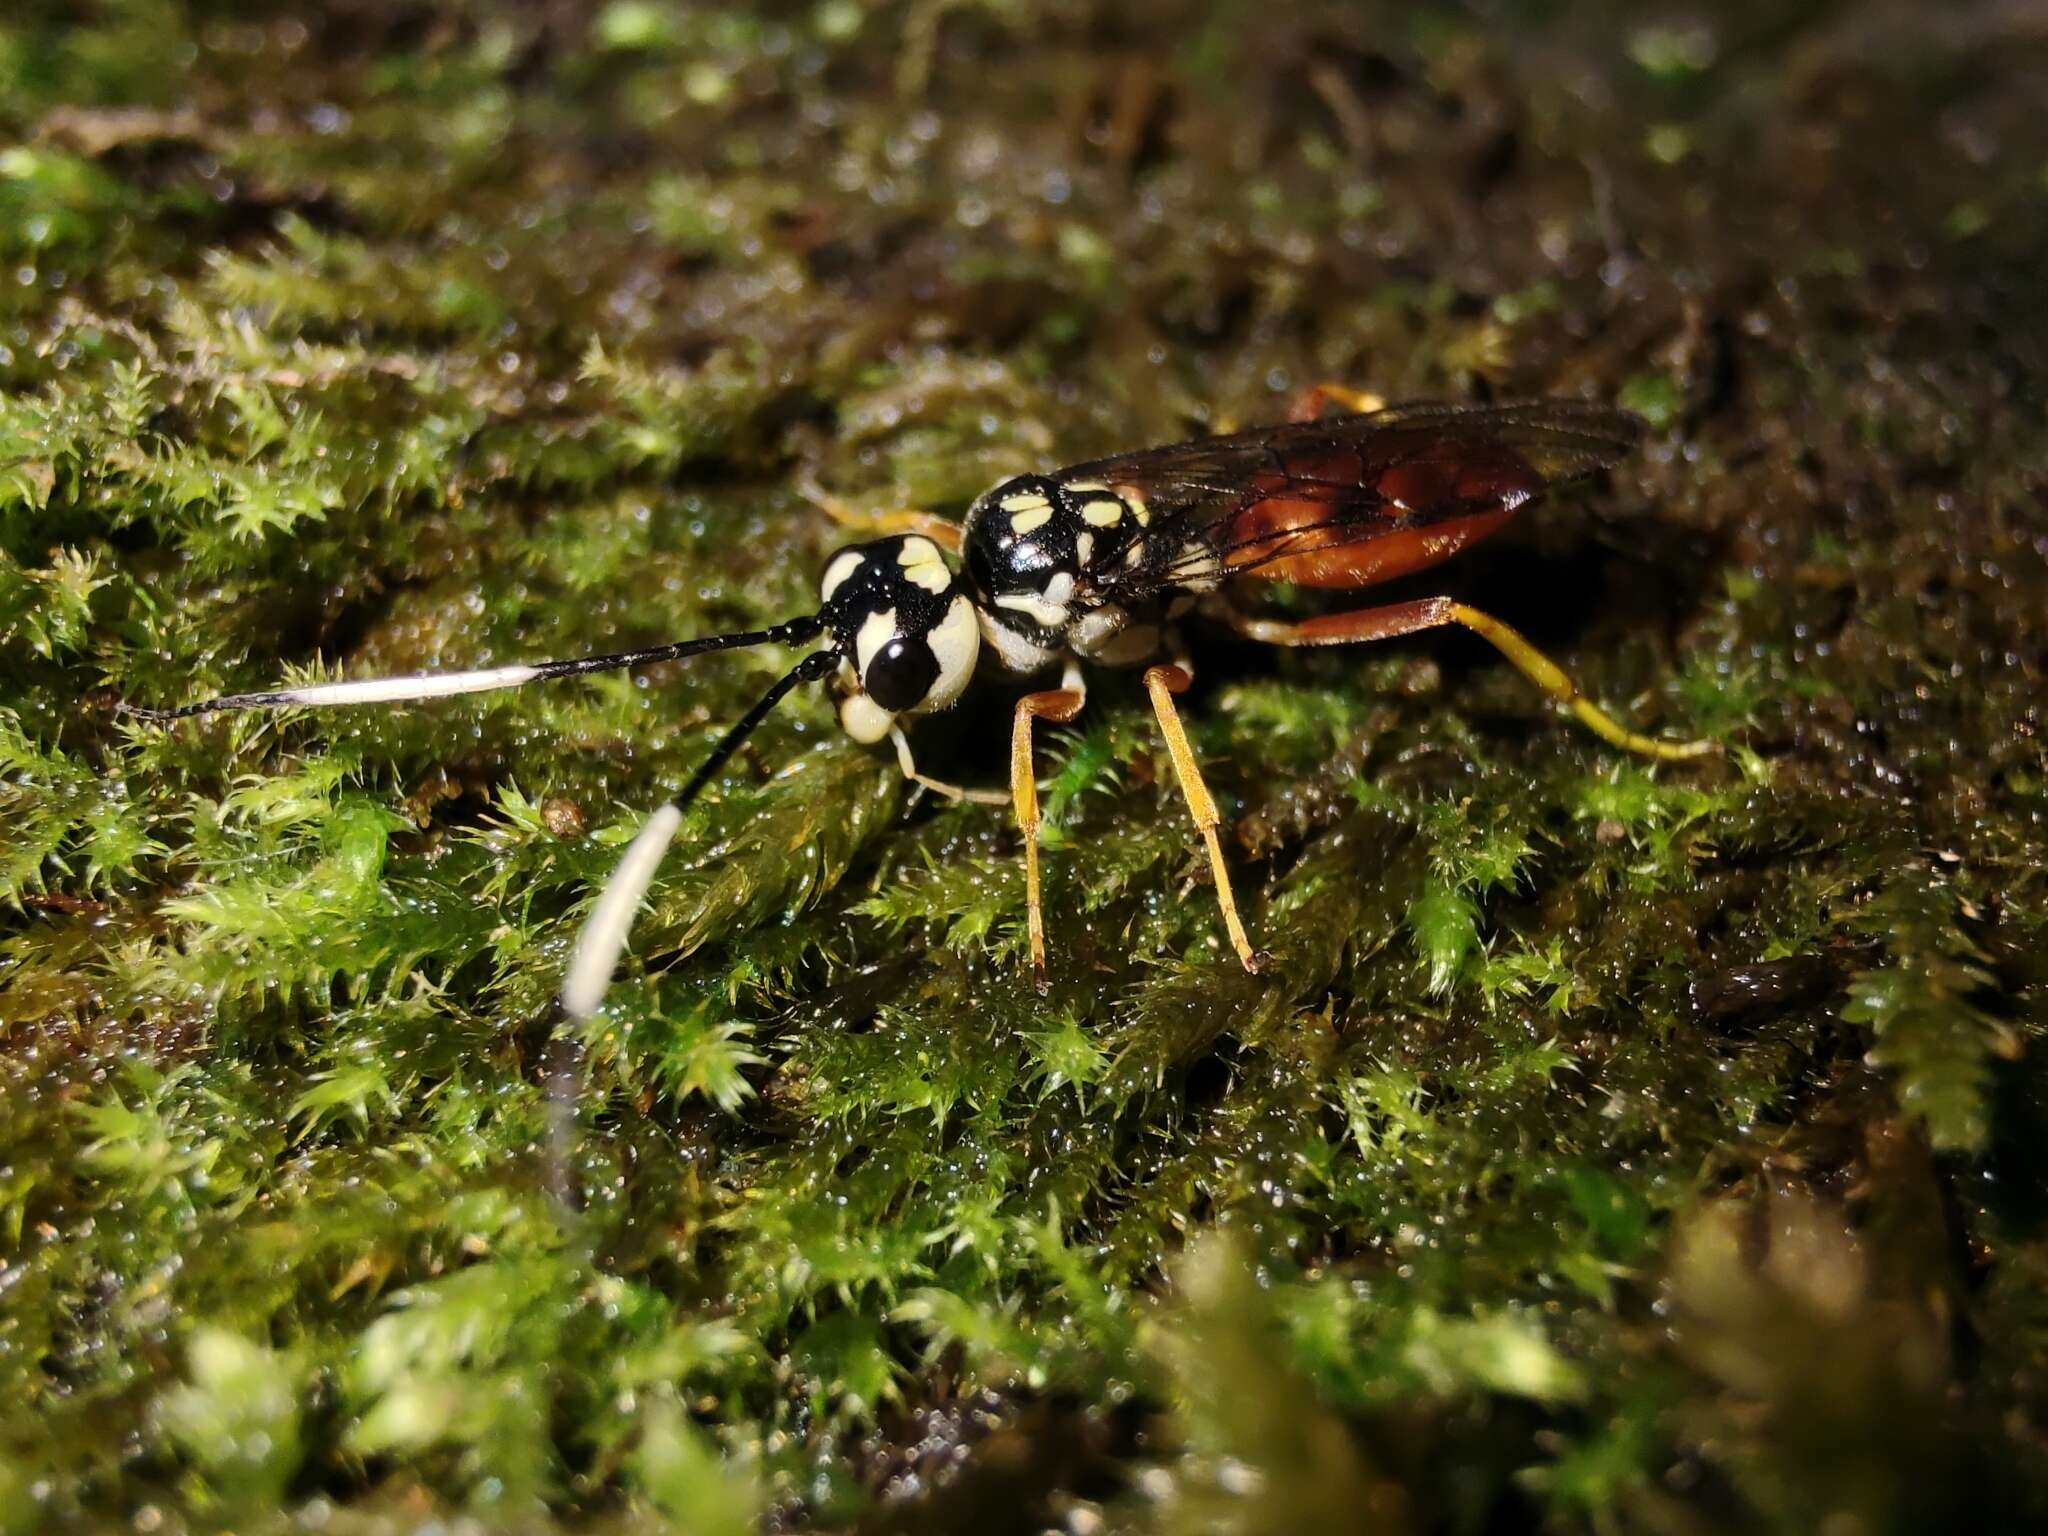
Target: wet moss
1604,1147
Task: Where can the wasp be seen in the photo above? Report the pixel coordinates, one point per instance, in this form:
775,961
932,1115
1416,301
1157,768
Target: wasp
1098,563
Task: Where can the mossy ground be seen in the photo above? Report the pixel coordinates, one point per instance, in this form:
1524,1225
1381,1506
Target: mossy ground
1607,1147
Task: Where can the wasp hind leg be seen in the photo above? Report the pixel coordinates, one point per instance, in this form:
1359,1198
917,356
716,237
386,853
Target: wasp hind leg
1397,619
1310,404
1058,705
878,524
1162,683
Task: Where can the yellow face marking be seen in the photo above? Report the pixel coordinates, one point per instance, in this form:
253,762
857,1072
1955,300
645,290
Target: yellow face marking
955,642
843,565
876,631
923,565
1084,548
1028,522
863,719
1136,503
1105,512
1023,501
1087,485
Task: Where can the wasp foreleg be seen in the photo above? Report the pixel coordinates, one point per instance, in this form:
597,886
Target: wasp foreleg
1058,705
908,764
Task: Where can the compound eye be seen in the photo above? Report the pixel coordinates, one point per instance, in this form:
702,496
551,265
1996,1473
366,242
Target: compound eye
901,674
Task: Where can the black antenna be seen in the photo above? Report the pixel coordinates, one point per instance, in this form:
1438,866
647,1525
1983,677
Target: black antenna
812,667
434,685
604,931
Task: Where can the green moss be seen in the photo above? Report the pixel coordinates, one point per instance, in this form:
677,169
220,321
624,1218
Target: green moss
1601,1147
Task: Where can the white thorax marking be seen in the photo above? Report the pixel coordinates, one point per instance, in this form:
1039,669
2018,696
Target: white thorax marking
1047,609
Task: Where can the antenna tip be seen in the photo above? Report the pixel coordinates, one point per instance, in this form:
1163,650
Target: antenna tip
604,935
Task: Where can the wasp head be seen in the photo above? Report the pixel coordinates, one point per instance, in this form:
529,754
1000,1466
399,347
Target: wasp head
904,630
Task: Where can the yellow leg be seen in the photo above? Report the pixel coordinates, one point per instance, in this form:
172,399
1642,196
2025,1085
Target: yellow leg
1312,401
876,524
1430,612
1059,705
1163,683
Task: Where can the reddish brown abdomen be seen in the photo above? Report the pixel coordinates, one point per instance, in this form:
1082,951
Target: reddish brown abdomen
1316,530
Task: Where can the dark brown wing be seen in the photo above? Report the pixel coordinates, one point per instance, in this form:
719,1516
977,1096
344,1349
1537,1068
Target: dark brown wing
1297,501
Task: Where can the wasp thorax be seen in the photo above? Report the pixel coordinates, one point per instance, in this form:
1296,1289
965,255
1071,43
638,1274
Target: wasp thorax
1030,546
903,628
